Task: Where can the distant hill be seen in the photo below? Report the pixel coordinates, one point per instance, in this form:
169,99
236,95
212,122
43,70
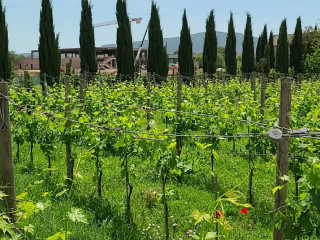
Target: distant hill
197,40
26,55
173,43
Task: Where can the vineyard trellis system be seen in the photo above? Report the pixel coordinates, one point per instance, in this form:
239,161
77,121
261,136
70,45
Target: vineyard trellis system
85,110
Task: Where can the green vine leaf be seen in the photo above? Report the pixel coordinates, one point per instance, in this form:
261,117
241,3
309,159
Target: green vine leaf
275,189
76,215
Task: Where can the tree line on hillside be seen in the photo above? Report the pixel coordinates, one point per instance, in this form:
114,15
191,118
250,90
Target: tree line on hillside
261,59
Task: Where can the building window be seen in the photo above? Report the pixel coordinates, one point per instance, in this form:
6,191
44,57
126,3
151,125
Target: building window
31,66
20,66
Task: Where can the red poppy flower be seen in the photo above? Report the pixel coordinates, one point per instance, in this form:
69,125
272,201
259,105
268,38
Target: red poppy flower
218,214
244,211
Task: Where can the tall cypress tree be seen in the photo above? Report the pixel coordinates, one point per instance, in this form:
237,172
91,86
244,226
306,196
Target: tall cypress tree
231,52
186,64
5,65
125,58
258,49
272,57
282,49
248,48
49,55
157,54
264,41
296,48
86,40
210,46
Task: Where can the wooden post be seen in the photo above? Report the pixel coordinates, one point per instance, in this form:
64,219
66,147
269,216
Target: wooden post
154,79
120,77
216,198
275,79
223,79
263,97
253,84
206,86
165,205
234,139
174,80
148,100
250,177
85,76
69,160
81,93
205,82
6,165
212,177
179,102
282,156
299,80
99,80
251,167
45,85
167,120
25,79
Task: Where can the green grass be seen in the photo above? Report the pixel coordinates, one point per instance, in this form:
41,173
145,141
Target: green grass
106,216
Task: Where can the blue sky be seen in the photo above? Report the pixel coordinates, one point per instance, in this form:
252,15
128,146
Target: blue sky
23,18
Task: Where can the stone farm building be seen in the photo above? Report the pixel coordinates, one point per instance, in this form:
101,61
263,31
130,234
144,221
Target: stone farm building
106,57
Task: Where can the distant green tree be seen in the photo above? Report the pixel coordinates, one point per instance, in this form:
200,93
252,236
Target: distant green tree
296,48
258,49
272,57
49,54
311,40
221,57
13,57
125,58
186,64
199,59
87,41
312,62
5,64
157,54
248,48
282,63
210,46
231,52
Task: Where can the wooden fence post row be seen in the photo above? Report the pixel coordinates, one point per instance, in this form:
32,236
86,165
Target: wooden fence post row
8,205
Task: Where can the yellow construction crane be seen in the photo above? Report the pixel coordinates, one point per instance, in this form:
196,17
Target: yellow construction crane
114,22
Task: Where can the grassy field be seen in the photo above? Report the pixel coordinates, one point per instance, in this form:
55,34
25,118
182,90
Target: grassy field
106,216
